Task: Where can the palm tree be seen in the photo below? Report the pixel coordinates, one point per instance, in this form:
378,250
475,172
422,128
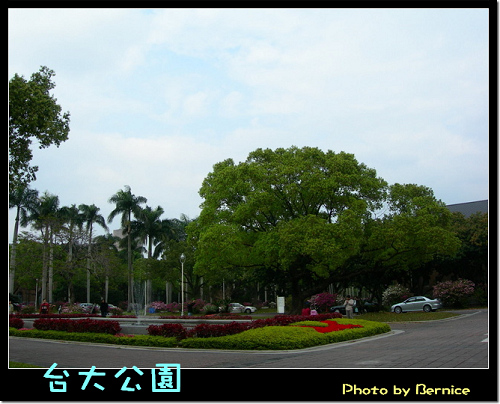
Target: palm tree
74,219
126,204
91,215
148,228
45,214
24,200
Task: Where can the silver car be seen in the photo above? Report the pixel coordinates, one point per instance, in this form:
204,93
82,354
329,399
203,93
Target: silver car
417,303
239,308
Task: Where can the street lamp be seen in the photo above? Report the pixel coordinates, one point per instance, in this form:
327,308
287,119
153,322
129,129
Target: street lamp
182,259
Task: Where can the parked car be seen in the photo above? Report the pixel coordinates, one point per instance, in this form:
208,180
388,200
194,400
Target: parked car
417,303
239,308
88,307
338,309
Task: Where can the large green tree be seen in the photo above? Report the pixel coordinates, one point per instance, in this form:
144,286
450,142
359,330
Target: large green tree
296,213
34,114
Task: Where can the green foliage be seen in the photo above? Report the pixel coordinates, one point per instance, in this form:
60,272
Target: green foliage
297,212
33,115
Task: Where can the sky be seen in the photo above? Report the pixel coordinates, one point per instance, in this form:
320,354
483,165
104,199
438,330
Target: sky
158,96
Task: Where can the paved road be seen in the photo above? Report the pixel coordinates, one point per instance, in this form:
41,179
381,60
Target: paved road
454,343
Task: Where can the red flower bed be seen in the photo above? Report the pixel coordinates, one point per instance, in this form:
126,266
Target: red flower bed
220,330
332,326
85,325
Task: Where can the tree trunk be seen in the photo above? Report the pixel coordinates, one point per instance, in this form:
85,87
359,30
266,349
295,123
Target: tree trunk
130,268
12,264
51,268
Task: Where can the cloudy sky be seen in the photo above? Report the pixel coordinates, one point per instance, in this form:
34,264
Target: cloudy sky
158,96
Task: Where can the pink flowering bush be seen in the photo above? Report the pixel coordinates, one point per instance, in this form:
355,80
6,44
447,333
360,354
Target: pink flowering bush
395,294
159,306
454,293
324,301
172,307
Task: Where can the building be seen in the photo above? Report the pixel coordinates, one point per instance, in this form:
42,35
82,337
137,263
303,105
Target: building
469,208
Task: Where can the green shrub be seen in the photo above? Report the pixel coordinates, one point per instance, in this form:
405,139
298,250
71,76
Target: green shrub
140,340
272,337
310,323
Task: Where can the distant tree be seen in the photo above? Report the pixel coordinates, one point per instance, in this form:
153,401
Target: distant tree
33,115
90,215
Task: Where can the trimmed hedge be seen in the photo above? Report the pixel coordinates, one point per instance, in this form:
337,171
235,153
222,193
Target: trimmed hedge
272,337
85,325
140,340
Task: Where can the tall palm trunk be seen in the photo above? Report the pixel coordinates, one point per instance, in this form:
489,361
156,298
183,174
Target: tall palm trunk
131,299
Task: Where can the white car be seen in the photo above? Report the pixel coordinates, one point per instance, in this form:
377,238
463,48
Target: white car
417,303
239,308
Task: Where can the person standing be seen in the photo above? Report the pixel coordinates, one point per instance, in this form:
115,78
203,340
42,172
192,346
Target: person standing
44,307
349,305
104,308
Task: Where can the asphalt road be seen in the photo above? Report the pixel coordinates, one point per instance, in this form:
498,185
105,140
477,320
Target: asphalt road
460,342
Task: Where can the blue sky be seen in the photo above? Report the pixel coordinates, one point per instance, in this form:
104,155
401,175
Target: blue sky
158,96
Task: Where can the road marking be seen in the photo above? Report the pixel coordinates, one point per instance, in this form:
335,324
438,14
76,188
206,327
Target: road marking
486,339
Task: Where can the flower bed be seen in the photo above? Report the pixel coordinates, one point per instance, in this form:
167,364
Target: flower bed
281,332
85,325
221,330
327,326
291,337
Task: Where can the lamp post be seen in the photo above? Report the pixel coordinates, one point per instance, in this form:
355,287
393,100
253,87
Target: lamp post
182,259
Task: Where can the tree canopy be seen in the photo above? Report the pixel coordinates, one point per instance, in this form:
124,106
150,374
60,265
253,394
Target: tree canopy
296,211
302,215
33,115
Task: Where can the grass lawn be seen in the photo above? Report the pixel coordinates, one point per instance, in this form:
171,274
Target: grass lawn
389,317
